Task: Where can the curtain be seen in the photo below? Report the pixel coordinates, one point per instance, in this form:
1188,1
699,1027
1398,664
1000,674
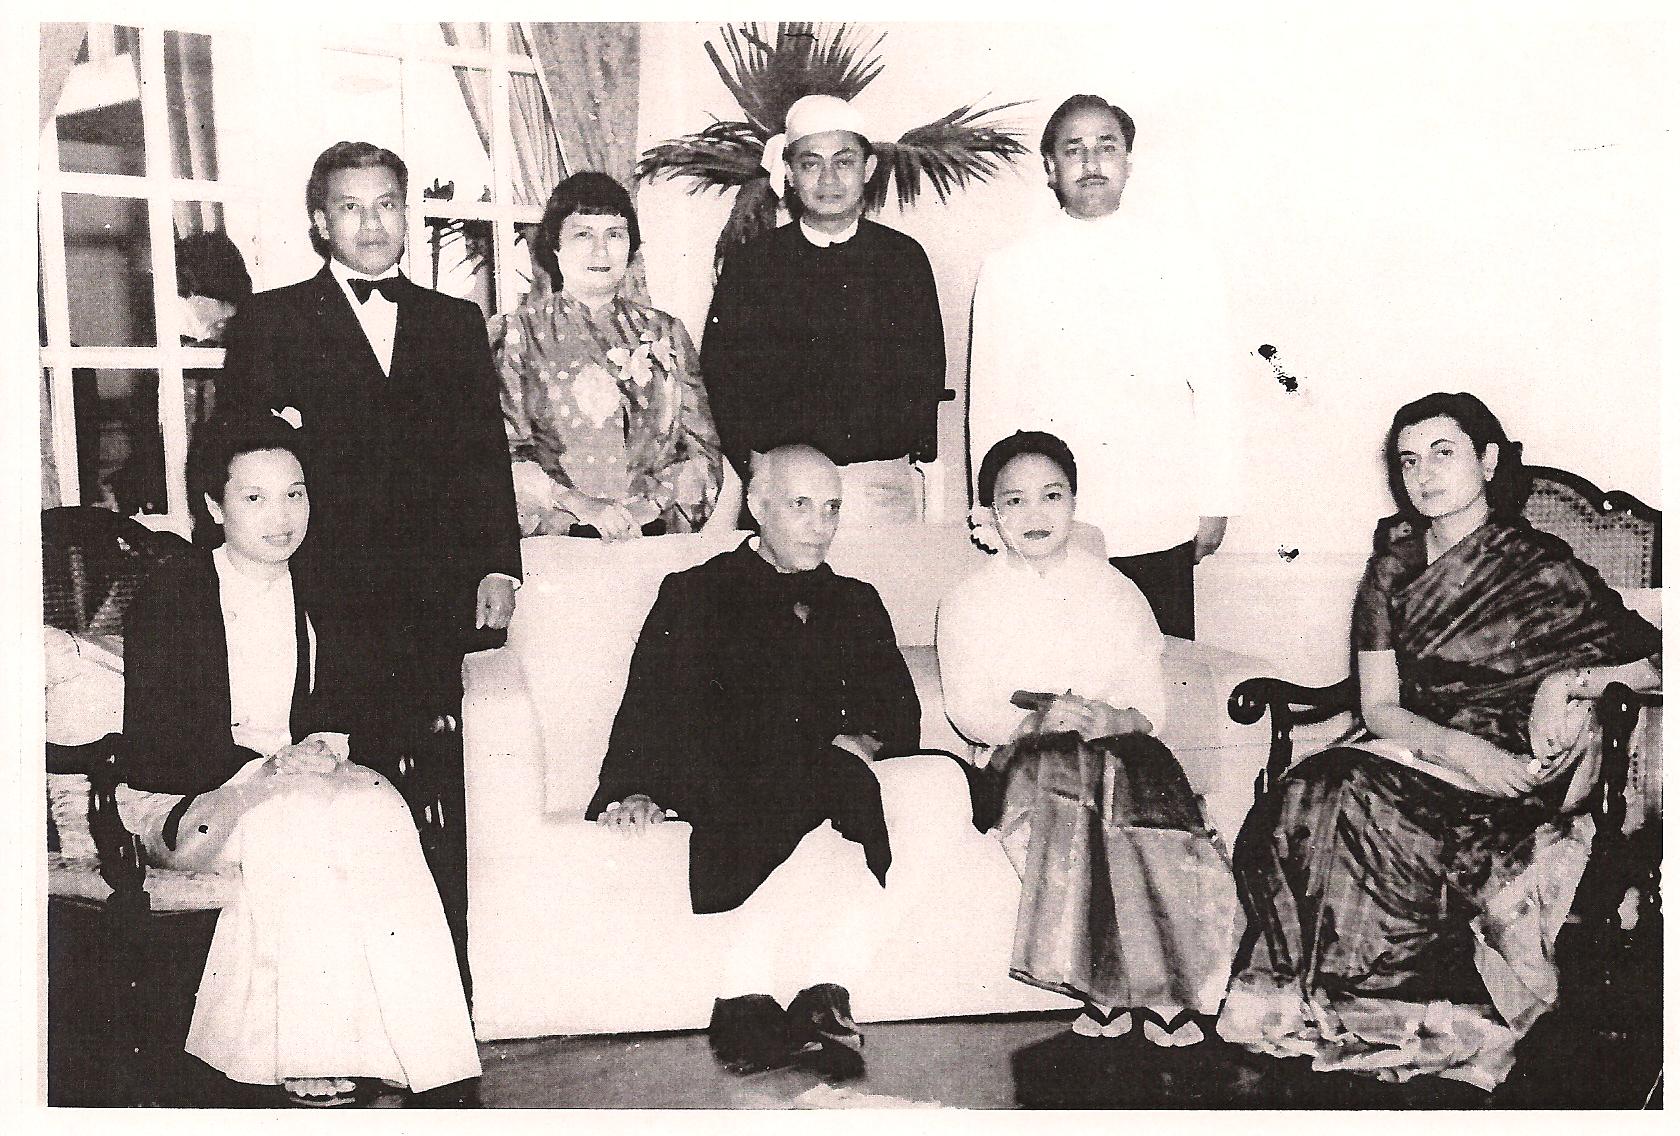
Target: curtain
60,44
537,163
591,74
188,76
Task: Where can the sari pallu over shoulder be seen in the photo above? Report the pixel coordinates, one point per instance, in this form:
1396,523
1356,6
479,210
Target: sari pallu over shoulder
1475,632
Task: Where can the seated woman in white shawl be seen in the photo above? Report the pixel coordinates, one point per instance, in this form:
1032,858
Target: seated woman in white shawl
334,961
1051,664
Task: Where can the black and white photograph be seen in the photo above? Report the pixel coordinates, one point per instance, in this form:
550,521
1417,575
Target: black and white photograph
933,559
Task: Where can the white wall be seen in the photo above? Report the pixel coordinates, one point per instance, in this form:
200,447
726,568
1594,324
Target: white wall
1401,207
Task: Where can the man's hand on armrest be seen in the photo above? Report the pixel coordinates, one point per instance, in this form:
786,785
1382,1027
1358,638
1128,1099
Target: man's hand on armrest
633,814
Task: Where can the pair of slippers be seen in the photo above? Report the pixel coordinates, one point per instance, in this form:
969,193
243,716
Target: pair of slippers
1181,1030
347,1091
753,1034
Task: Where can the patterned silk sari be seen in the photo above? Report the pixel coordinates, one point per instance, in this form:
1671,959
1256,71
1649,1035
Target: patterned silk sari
1399,924
1126,893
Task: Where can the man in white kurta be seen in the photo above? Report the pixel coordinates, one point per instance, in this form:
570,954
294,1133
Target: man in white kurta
1110,332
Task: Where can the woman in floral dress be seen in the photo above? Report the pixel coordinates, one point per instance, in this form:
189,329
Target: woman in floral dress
607,417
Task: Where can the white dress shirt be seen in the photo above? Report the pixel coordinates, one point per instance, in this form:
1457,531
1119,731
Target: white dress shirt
261,628
1112,335
1081,626
377,315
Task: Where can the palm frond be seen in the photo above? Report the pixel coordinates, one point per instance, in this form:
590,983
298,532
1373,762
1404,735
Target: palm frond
720,157
754,212
949,153
767,76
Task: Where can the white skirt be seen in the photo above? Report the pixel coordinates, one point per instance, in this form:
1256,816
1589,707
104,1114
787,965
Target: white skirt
334,960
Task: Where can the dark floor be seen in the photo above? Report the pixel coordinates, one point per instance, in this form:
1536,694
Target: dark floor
1601,1048
1036,1061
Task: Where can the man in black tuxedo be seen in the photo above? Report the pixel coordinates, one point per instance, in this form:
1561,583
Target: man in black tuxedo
414,533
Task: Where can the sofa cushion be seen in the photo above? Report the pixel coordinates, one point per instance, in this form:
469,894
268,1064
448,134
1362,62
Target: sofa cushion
937,731
580,610
912,566
71,877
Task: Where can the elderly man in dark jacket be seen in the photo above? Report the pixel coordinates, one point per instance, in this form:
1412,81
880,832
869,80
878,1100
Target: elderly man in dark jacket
762,688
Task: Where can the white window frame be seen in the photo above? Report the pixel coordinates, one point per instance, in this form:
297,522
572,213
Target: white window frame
501,61
161,191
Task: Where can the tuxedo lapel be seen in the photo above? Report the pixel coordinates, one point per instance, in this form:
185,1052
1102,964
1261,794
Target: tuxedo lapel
339,326
407,346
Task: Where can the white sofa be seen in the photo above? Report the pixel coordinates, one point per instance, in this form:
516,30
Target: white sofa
574,929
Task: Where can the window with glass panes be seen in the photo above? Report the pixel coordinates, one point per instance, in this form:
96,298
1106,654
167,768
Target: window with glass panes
158,197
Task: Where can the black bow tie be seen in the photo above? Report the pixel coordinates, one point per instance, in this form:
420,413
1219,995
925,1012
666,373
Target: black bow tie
390,287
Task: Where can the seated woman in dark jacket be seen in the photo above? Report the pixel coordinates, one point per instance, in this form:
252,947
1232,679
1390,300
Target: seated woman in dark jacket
333,962
1404,892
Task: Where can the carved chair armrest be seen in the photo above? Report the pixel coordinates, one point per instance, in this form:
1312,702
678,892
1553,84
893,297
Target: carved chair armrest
1619,708
1621,865
122,864
1289,705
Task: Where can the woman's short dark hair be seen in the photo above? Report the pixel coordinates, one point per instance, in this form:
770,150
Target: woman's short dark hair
1017,444
592,194
210,264
346,156
215,446
1047,141
1507,492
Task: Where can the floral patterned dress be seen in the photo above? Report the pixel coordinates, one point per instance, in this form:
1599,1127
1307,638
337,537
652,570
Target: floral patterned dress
609,403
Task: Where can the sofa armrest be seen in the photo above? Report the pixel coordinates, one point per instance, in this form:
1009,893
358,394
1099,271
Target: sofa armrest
1199,679
502,744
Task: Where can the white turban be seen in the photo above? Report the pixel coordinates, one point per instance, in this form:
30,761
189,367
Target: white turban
813,114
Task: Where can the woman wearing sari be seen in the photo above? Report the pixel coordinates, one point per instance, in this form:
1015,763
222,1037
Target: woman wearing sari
246,749
1404,892
1127,901
607,418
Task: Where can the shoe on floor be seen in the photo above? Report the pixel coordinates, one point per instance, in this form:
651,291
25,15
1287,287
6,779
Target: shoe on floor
820,1018
750,1034
331,1092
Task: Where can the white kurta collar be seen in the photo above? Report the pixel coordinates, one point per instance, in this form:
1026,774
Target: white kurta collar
824,240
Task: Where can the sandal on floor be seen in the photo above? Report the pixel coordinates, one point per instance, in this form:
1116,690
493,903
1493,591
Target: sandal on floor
1092,1022
1170,1034
357,1093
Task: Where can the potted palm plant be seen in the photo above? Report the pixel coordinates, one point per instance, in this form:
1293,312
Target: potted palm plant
767,73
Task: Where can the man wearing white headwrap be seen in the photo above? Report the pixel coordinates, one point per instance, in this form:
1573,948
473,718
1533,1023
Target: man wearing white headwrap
827,331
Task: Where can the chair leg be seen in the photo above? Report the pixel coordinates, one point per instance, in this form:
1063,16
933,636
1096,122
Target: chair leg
122,926
435,788
449,860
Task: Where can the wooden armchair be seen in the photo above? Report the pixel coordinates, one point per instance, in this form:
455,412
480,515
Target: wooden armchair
1621,537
